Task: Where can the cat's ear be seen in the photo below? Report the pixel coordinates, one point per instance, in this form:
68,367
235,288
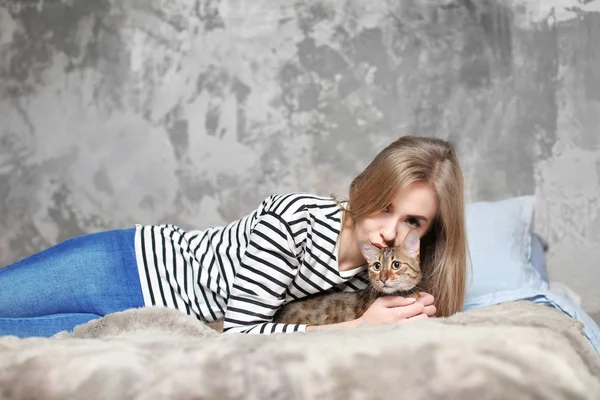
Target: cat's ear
412,244
369,252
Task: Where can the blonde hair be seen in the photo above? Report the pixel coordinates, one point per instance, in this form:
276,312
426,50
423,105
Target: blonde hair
444,248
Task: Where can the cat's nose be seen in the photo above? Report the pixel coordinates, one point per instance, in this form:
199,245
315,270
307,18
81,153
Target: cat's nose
383,278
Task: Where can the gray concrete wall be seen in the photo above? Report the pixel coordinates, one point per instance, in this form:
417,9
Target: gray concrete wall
190,112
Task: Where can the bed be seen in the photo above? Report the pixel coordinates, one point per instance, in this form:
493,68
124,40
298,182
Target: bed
515,339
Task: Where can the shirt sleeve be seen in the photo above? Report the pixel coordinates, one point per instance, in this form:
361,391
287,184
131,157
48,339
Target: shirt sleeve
268,266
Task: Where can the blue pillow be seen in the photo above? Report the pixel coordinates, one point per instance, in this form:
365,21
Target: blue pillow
502,256
499,239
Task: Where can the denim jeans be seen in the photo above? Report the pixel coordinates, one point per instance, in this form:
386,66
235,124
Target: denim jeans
76,281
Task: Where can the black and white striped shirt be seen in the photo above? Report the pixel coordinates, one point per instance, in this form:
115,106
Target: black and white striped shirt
284,250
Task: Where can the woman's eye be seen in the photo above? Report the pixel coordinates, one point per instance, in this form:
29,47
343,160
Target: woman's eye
414,222
396,265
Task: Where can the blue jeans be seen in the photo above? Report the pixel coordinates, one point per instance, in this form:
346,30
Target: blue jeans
76,281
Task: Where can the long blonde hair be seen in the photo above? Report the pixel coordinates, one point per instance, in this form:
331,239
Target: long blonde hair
444,247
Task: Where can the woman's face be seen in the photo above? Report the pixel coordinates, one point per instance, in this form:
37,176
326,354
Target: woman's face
413,207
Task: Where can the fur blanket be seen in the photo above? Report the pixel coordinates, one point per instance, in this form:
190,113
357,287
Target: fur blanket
513,351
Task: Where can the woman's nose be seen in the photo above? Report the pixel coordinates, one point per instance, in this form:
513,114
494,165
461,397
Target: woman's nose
394,237
388,233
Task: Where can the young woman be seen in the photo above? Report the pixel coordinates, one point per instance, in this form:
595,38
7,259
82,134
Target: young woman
291,246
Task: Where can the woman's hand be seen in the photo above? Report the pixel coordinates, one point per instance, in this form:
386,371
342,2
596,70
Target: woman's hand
427,300
393,309
397,309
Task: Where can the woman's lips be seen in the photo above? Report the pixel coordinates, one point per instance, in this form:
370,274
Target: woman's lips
379,246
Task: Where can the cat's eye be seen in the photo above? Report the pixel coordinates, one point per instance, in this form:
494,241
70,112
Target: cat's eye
396,265
377,266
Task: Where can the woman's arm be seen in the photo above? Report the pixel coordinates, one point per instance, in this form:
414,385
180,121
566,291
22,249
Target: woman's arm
268,266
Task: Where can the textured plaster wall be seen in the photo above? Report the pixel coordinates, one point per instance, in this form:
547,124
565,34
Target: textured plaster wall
190,112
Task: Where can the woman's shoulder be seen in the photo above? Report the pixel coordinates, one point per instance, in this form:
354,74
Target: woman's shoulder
295,203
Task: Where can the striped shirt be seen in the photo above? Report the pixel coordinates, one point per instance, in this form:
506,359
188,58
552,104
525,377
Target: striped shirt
284,250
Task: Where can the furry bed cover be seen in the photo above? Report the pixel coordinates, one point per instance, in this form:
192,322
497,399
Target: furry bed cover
516,350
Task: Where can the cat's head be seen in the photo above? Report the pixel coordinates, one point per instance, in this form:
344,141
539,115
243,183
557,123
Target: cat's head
393,269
